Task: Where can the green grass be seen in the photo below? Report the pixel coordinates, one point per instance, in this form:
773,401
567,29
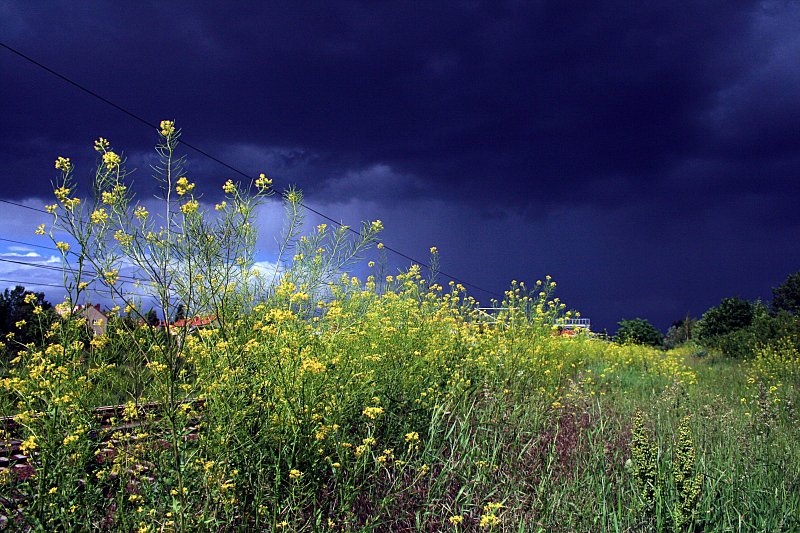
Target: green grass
325,403
511,416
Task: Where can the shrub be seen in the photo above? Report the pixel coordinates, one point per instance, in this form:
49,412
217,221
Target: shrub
638,331
730,315
786,296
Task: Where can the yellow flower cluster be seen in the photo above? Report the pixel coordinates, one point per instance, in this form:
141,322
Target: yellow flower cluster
140,213
182,186
62,193
489,517
72,203
372,412
111,160
102,145
190,207
63,164
167,128
111,276
263,182
123,238
28,445
99,216
312,366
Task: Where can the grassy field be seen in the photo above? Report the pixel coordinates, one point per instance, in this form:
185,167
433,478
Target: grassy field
400,411
315,401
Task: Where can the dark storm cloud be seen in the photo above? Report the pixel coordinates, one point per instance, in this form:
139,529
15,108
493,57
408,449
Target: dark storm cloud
464,95
658,124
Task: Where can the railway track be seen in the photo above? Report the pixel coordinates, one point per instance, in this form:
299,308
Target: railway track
110,422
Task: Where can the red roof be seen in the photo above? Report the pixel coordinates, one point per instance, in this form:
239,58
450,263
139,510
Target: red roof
192,322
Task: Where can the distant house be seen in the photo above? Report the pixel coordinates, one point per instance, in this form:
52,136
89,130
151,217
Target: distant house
569,327
95,318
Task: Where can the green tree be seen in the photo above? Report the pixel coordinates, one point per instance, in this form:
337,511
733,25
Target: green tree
151,317
786,296
680,332
732,314
21,313
638,331
180,313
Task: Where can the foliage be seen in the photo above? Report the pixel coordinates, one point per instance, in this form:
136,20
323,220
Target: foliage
151,317
786,296
638,331
680,331
732,314
644,463
764,329
323,402
20,314
687,481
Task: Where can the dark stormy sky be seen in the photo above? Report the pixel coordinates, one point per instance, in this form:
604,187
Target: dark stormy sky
644,154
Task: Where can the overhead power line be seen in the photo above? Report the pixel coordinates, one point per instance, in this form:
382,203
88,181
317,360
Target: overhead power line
29,244
88,272
23,205
221,162
31,283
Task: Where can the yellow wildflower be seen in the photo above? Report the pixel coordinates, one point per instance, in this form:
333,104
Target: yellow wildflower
62,163
72,203
372,412
62,193
263,182
111,276
229,187
312,366
64,247
40,229
183,186
101,144
489,520
295,474
167,127
99,216
28,444
140,212
190,207
123,238
456,519
111,160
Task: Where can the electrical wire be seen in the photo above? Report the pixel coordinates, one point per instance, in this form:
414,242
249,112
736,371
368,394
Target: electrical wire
29,244
31,283
23,205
